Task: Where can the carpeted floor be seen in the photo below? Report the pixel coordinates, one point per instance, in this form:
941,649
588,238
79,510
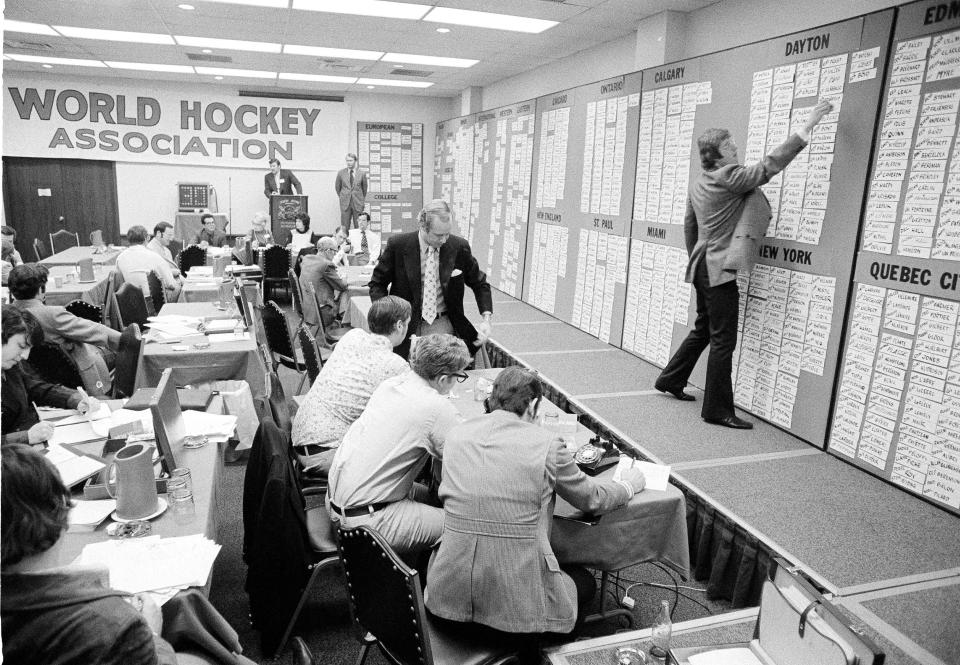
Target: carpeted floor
908,613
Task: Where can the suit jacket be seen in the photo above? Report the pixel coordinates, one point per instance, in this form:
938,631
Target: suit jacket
20,388
319,271
270,185
215,239
351,198
495,565
79,338
398,274
716,206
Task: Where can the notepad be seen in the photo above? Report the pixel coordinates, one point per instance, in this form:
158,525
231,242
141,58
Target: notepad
735,656
87,515
73,468
227,337
74,418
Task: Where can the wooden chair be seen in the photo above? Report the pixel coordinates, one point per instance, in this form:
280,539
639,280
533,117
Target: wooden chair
309,352
280,341
276,264
131,305
328,337
296,294
386,604
40,250
157,295
111,312
53,364
63,239
192,255
125,369
85,310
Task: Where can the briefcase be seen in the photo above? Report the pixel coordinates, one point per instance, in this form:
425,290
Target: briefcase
796,626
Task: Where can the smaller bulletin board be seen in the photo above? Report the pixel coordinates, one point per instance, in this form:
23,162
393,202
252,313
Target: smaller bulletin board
392,153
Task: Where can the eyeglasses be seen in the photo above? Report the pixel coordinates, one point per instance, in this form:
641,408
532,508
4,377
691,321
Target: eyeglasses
461,376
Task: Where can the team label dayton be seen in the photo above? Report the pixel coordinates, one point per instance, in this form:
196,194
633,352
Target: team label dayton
205,125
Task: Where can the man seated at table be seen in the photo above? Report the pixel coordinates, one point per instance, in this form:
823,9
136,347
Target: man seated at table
260,235
319,271
344,248
62,614
21,390
360,362
405,424
495,565
209,235
366,243
91,345
160,244
136,261
7,258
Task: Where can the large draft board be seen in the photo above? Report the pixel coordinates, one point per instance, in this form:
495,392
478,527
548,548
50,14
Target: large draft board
503,159
453,171
392,153
793,303
897,412
584,159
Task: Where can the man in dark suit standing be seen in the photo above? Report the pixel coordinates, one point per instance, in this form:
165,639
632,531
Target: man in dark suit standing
280,181
429,268
351,186
726,217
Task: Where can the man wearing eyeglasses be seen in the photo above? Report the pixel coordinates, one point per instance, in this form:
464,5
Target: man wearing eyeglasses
404,424
319,271
429,268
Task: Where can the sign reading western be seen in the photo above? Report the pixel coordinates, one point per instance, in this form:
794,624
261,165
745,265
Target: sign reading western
126,123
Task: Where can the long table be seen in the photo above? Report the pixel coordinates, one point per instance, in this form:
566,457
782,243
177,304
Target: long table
94,292
71,255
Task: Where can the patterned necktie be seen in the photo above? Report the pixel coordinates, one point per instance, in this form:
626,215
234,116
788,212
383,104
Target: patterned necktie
364,246
431,285
351,178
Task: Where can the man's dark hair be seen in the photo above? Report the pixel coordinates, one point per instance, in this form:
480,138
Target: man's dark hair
364,214
8,231
274,160
18,322
35,505
137,235
161,227
514,389
385,312
205,216
709,145
304,219
27,280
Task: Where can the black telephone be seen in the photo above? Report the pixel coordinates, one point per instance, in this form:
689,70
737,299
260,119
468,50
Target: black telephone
596,455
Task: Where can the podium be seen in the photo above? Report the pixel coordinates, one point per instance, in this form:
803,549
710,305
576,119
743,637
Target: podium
283,209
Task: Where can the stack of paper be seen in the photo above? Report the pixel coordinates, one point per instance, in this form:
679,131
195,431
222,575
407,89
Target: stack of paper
220,325
74,417
200,271
87,515
73,468
217,427
154,563
228,337
169,328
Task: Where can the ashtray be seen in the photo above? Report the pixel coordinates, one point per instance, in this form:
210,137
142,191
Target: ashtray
195,441
133,529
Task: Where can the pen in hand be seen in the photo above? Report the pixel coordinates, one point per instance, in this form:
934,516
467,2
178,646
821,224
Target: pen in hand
84,399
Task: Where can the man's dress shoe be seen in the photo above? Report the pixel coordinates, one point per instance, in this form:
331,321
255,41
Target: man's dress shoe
676,392
730,421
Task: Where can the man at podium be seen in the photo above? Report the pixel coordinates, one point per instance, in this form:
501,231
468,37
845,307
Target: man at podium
280,181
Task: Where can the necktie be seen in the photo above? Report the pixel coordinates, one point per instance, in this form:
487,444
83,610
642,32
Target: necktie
431,285
351,177
364,246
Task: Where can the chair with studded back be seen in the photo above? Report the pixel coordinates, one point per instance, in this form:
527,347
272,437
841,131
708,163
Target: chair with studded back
157,296
280,341
54,365
190,256
63,239
386,602
85,310
132,306
40,249
309,352
276,263
283,558
125,369
296,294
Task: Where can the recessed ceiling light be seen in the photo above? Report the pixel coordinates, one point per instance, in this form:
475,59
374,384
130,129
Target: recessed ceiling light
276,4
412,59
488,20
150,67
46,66
443,30
370,87
365,8
76,62
219,78
229,44
398,84
319,78
247,73
114,35
325,52
207,50
186,7
32,28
